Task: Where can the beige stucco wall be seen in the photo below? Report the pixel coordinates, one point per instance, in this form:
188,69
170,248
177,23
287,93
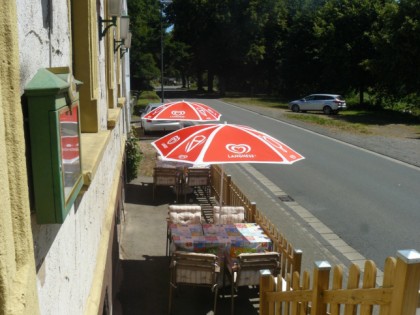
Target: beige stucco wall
57,268
17,266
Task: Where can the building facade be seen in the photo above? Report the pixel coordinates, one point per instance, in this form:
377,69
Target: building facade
68,265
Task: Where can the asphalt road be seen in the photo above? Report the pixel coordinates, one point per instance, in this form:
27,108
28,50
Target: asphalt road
370,201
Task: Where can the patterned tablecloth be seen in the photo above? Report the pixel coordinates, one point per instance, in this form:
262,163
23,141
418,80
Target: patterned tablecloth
231,239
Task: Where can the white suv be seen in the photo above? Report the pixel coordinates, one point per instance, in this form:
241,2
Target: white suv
328,103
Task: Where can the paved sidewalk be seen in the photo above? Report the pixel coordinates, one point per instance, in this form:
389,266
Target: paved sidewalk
145,268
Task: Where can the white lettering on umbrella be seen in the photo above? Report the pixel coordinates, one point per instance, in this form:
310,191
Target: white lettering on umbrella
196,141
178,113
241,156
239,150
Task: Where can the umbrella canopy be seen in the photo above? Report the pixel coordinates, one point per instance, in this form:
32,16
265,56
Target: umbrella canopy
183,110
224,143
221,144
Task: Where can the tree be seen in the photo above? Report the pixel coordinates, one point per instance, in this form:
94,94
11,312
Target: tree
178,60
226,38
145,48
287,46
396,38
343,29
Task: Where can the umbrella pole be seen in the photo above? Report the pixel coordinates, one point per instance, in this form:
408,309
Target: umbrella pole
221,189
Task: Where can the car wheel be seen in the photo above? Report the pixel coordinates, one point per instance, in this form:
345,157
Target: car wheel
327,110
295,108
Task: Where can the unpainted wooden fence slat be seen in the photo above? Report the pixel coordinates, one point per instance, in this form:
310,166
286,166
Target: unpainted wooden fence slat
369,281
337,284
353,283
388,282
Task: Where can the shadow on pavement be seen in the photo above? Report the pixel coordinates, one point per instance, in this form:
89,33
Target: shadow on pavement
142,194
145,290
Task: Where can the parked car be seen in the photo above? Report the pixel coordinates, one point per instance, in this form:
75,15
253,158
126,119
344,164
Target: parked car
149,125
328,103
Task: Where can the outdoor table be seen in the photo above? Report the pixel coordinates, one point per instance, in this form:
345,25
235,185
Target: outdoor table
220,239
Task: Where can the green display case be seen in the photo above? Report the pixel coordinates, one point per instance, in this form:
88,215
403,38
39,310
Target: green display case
54,132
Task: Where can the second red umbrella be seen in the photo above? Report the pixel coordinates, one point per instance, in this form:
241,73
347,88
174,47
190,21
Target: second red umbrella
183,110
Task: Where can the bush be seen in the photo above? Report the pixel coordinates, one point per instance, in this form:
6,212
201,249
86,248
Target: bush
133,156
144,98
151,95
137,109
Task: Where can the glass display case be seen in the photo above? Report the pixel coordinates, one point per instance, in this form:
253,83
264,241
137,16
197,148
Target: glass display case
54,133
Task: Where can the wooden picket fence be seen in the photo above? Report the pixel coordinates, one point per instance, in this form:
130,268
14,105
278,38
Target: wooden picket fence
290,292
398,295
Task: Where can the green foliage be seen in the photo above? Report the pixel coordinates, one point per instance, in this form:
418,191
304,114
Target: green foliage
145,43
396,37
285,47
258,101
146,70
133,157
333,123
409,104
150,95
143,99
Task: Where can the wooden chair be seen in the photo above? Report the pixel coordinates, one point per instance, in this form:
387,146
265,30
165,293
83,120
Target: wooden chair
163,176
193,269
181,214
228,214
198,177
245,271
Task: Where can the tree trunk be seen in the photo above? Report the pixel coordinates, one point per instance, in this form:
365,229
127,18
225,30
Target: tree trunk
200,86
222,85
210,79
184,80
361,95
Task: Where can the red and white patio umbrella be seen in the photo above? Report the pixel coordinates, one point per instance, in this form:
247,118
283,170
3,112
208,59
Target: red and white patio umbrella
222,144
183,110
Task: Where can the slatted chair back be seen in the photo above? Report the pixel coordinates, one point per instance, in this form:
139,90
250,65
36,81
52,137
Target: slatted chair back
249,265
199,177
163,176
246,270
194,269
